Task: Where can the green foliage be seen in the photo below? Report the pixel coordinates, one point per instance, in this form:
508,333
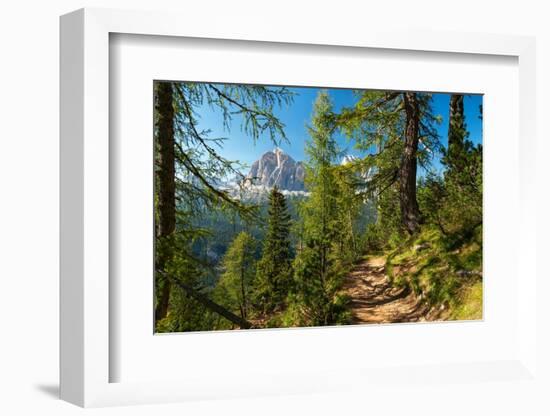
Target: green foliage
374,239
291,271
454,202
274,274
319,279
376,124
439,268
185,313
199,166
470,305
389,218
234,289
350,210
443,264
463,199
198,169
327,217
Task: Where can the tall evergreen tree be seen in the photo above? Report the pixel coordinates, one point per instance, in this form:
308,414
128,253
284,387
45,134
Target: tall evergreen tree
454,201
274,274
457,133
410,213
462,193
166,191
317,272
400,126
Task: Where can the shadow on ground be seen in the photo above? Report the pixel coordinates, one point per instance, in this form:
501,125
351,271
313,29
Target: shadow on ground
51,390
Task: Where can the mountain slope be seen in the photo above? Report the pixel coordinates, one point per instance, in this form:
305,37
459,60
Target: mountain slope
276,168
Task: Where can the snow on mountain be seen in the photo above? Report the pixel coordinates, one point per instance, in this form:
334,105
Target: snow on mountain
366,176
276,168
348,159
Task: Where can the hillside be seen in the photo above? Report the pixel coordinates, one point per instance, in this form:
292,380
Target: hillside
422,280
442,271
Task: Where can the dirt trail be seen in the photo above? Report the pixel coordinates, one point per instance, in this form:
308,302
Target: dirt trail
375,300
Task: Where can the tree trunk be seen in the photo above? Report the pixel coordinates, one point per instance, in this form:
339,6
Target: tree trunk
410,213
243,292
166,190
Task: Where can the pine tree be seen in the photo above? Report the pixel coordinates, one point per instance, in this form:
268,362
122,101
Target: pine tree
274,275
462,192
457,130
453,202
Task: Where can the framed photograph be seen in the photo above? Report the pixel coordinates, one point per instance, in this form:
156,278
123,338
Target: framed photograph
280,207
281,213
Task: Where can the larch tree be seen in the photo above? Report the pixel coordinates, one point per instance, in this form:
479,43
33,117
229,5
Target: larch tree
410,213
239,272
350,205
397,130
165,188
188,167
316,265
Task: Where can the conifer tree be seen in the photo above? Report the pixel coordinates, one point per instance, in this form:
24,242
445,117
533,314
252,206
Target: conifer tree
349,205
462,193
239,265
400,125
457,131
165,195
188,167
317,272
274,275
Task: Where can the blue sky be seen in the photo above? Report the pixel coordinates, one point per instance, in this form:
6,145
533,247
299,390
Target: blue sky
298,114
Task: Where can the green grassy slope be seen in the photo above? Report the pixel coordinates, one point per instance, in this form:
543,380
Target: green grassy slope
445,271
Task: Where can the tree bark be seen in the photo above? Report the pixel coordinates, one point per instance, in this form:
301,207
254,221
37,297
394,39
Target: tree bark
410,213
243,294
166,190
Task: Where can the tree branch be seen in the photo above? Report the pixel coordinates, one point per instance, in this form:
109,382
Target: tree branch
213,306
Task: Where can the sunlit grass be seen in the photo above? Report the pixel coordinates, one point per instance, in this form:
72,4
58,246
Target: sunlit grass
439,275
470,304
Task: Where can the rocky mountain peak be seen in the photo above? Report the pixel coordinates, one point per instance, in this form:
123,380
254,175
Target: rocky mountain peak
277,168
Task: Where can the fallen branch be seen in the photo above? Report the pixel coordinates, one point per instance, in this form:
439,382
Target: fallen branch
213,306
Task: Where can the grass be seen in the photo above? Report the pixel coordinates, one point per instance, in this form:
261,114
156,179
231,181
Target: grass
443,270
470,305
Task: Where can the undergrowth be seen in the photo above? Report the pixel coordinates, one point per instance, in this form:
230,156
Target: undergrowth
444,270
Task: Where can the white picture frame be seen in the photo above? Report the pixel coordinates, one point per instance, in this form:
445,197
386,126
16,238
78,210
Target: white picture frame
86,356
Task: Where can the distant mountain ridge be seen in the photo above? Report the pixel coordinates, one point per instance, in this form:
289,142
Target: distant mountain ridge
276,168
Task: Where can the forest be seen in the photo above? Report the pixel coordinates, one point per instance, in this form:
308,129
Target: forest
380,221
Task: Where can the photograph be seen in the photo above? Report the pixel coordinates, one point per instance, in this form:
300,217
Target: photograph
304,206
